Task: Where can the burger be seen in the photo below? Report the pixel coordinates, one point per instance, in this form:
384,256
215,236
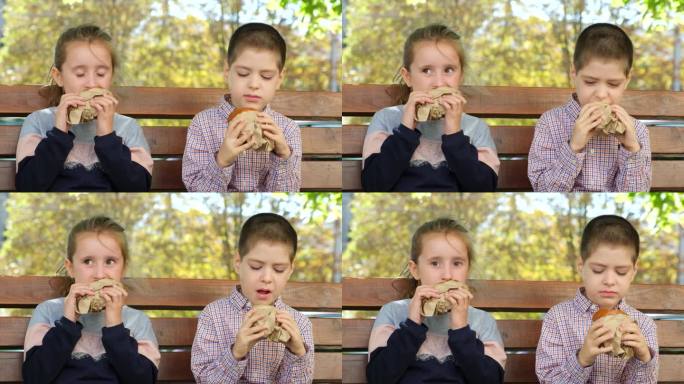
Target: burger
252,128
434,110
440,305
610,124
613,318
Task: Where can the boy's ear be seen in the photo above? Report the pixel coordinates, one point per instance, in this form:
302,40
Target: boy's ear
406,76
580,264
226,70
573,72
634,272
236,262
57,77
281,77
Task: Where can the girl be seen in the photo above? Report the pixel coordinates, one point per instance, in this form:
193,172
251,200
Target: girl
109,153
454,153
116,345
461,346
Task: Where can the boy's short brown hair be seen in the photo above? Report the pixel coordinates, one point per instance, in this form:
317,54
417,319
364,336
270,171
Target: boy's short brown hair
259,36
609,229
268,227
603,41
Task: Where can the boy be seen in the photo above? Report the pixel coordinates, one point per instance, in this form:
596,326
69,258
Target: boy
218,159
230,345
569,349
568,153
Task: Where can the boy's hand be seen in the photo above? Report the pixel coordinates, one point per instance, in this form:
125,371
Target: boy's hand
115,298
248,334
416,304
597,335
235,141
459,300
105,106
273,132
585,127
629,139
76,291
409,116
295,344
632,337
453,105
68,100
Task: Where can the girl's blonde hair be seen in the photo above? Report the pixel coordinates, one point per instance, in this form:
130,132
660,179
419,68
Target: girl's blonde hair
98,225
89,33
432,32
441,225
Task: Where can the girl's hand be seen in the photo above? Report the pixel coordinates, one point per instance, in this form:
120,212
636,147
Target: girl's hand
115,298
453,105
248,334
409,116
629,139
296,343
67,101
105,106
459,300
632,337
416,304
271,131
76,291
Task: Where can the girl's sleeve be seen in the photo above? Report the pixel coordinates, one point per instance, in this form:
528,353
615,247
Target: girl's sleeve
386,155
40,159
128,169
463,160
48,349
392,349
285,175
299,369
477,366
123,353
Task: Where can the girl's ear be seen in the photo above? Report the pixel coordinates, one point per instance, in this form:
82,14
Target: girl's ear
406,76
56,76
69,266
413,269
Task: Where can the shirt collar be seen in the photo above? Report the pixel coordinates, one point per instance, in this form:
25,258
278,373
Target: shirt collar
583,303
572,107
239,300
228,107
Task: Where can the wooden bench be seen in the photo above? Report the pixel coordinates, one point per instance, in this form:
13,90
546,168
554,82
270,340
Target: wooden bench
520,336
175,334
513,142
321,147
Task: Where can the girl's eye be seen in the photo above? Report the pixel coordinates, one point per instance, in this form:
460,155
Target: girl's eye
427,71
450,70
87,261
458,263
434,263
110,261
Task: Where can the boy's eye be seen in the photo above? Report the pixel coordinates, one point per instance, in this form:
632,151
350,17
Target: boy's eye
243,74
279,270
590,82
267,77
255,267
597,270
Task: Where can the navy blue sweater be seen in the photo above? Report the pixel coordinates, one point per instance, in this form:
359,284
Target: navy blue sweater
52,362
390,170
397,362
115,171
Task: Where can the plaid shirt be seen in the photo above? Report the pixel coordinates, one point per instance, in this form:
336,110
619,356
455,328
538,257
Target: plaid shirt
252,171
267,362
603,165
562,336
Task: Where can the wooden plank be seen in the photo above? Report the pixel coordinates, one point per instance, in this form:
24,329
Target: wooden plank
160,102
316,175
515,333
366,99
512,295
175,366
516,140
668,175
519,368
171,293
172,332
170,141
